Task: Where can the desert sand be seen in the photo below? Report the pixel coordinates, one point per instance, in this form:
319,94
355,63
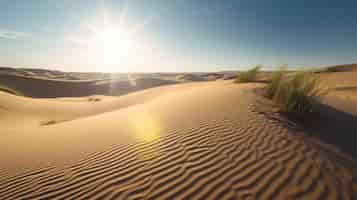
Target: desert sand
199,140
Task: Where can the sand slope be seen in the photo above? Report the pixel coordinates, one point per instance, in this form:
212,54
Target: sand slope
189,141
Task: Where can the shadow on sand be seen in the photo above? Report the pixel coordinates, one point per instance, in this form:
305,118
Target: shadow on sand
327,124
333,127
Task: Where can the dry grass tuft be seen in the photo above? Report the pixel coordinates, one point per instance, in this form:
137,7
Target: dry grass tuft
276,79
94,99
248,76
47,123
298,93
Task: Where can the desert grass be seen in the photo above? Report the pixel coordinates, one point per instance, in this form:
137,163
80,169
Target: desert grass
47,123
275,82
94,99
299,93
249,75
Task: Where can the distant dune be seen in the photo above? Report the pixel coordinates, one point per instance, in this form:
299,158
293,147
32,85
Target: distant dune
341,80
39,87
190,77
339,68
41,83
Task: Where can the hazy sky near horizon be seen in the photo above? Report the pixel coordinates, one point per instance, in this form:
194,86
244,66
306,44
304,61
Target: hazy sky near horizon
176,35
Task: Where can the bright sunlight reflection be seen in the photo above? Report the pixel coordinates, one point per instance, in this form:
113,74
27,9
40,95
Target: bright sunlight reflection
145,127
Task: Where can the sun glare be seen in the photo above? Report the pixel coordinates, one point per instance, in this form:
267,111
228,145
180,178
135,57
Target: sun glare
112,45
145,127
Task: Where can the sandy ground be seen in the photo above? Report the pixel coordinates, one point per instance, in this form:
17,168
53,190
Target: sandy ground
206,140
342,84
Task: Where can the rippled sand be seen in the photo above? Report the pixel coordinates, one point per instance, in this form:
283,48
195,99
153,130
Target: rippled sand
190,141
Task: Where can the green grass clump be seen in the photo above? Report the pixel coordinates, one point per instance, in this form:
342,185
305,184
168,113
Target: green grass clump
248,76
275,82
298,93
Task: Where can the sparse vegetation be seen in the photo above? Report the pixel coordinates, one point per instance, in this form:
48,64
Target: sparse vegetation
276,79
95,99
298,93
47,123
248,76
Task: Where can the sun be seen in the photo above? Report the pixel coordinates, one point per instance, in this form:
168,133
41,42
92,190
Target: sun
112,45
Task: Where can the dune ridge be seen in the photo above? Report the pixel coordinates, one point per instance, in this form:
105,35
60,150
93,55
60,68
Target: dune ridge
39,87
207,150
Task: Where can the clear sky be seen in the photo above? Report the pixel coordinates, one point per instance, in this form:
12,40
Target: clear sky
176,35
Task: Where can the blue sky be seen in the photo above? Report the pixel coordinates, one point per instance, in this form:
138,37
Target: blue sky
176,35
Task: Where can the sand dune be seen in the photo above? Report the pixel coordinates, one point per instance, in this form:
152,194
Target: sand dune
47,88
23,110
339,68
190,77
341,81
205,140
42,83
